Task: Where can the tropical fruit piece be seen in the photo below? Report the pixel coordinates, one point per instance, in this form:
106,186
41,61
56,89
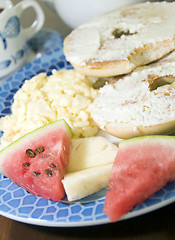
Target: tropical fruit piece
89,167
83,183
37,161
90,152
143,166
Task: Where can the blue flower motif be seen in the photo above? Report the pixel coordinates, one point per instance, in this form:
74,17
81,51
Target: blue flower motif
19,55
5,64
11,30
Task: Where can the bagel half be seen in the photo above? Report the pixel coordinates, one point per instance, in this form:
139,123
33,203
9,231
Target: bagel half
118,42
140,103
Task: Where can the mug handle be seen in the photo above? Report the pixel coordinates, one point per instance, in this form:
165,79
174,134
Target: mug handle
39,21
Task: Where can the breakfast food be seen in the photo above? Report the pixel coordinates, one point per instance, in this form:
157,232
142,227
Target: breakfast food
89,167
37,161
140,103
90,152
119,41
83,183
142,167
44,99
48,163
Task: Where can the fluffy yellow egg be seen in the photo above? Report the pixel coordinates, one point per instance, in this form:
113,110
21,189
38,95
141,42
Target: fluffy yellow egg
43,99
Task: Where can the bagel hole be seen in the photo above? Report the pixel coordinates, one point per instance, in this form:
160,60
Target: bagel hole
162,81
117,33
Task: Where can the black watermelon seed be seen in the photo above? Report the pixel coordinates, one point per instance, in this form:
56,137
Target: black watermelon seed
30,153
26,164
48,172
39,149
36,173
52,165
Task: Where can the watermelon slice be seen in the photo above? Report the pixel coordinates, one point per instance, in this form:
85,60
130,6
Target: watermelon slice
143,166
37,161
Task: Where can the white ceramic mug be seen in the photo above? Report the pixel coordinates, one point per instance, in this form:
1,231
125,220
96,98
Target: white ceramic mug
76,12
13,37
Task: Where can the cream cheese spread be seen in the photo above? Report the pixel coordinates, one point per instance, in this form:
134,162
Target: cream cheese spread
136,99
141,24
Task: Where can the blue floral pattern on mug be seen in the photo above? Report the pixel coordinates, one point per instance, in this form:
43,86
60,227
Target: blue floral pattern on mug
5,64
18,56
11,30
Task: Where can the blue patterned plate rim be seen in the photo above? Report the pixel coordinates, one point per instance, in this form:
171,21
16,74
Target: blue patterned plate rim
47,223
15,202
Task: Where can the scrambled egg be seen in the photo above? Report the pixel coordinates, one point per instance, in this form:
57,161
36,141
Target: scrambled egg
65,94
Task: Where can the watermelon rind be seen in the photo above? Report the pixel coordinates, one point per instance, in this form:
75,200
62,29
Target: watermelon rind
143,166
31,135
148,139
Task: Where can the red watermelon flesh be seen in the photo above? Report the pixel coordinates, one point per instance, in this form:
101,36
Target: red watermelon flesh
142,167
39,171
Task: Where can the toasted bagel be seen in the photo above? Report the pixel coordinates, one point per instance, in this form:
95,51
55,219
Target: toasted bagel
140,103
118,42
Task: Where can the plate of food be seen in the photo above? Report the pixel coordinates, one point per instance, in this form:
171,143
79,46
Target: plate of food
48,91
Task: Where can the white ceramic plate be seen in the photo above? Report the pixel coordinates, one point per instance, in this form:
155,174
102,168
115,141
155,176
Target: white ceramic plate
15,202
